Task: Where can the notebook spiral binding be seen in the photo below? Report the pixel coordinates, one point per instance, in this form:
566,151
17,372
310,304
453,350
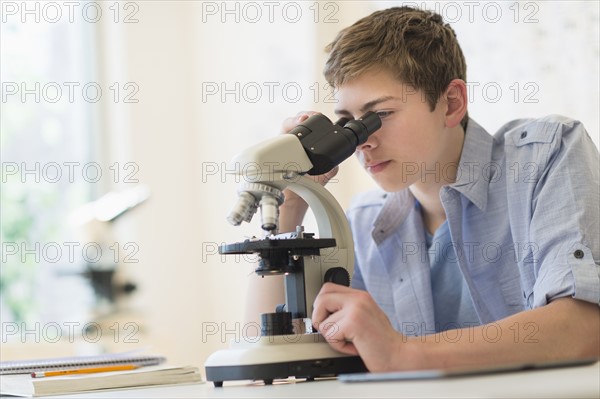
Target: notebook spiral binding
78,362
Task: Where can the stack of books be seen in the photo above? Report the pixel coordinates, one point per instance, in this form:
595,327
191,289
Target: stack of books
71,375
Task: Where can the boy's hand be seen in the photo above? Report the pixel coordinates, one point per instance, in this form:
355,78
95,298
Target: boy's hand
353,323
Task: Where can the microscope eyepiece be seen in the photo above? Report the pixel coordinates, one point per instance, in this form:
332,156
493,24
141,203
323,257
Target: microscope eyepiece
364,126
342,122
328,144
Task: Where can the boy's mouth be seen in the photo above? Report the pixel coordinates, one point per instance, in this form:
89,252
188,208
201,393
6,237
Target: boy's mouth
376,166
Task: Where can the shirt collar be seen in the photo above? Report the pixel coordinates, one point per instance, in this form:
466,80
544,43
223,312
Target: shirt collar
475,169
396,207
473,177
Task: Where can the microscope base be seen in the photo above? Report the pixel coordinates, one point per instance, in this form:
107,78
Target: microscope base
280,357
308,369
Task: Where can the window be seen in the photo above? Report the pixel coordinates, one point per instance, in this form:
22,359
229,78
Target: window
48,103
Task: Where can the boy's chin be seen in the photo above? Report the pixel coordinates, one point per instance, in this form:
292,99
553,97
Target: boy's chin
391,186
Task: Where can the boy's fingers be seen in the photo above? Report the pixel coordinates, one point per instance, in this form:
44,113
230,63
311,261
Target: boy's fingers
293,121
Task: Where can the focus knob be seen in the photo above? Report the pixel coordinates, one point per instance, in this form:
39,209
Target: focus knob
337,275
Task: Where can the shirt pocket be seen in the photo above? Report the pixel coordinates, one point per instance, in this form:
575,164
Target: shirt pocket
534,133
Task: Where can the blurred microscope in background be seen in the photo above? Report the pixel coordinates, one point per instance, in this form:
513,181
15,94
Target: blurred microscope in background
108,275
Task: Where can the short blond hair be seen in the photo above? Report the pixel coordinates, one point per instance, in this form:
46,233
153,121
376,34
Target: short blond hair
416,46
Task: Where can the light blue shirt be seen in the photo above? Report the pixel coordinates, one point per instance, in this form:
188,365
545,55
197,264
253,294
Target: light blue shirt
523,215
452,304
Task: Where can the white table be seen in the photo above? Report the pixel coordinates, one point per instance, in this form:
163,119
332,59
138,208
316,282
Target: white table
570,382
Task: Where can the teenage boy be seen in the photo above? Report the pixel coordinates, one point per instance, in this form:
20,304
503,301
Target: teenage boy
478,249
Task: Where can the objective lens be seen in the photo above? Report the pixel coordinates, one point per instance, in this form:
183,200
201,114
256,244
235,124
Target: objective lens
244,209
269,211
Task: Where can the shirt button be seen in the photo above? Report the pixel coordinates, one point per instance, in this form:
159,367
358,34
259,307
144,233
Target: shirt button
578,254
523,135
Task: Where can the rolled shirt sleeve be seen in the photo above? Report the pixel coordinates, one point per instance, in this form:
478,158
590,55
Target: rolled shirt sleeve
565,213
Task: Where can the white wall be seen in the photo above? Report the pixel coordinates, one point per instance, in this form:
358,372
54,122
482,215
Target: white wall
177,133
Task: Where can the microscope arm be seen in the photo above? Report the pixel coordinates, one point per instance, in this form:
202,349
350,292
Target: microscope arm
331,223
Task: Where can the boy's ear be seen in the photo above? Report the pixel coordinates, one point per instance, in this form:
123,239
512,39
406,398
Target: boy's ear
456,97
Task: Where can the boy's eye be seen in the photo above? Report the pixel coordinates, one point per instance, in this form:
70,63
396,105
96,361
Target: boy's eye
383,114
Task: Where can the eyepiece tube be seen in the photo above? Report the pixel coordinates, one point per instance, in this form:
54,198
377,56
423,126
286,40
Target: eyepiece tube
364,126
327,144
342,122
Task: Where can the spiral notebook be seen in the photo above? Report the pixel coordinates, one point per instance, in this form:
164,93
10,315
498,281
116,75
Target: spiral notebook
16,377
78,362
27,386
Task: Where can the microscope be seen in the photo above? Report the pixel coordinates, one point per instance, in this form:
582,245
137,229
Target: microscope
288,345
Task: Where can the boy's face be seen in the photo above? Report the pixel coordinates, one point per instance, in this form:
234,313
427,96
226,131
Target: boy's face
411,147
